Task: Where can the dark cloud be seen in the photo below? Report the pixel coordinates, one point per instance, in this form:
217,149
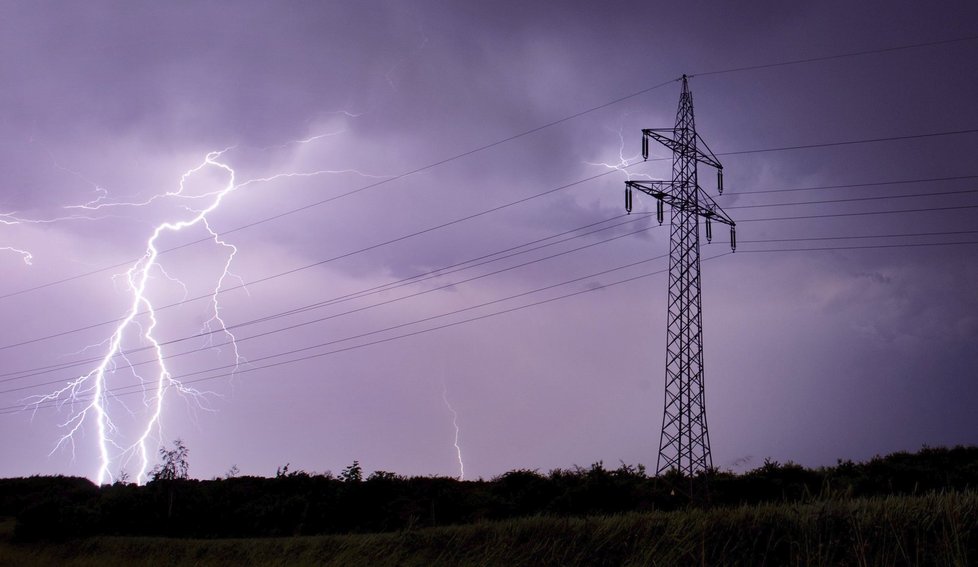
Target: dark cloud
811,355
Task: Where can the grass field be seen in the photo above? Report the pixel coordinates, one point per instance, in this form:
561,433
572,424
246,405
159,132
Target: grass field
936,529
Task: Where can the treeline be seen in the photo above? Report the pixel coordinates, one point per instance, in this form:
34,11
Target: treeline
298,503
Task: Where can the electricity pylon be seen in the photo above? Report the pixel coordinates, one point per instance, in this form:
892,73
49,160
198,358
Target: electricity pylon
684,444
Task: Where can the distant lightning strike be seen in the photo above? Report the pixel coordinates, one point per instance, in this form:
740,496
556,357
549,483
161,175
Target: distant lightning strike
11,219
24,254
458,431
90,391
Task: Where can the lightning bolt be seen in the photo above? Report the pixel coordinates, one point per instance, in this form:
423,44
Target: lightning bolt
137,277
24,254
12,218
623,162
458,431
88,395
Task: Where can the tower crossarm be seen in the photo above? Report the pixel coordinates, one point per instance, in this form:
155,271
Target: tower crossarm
710,209
704,206
662,190
677,146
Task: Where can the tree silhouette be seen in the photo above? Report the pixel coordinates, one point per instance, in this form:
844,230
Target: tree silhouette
175,465
352,473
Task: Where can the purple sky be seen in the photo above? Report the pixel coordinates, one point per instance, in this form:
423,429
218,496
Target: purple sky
810,355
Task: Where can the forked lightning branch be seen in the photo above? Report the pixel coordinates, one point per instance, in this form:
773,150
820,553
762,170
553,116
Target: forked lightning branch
89,395
89,398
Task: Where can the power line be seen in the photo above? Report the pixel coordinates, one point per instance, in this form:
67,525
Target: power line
868,246
331,259
385,243
922,210
426,319
459,220
503,141
486,211
46,370
863,236
141,389
851,142
836,56
831,215
366,187
354,295
414,322
584,112
851,185
855,199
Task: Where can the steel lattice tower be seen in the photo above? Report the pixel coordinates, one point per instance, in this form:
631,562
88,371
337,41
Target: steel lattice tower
684,444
